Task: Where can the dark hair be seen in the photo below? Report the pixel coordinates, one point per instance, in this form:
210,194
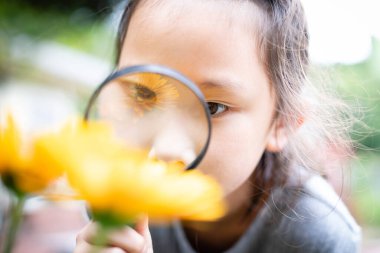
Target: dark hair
283,44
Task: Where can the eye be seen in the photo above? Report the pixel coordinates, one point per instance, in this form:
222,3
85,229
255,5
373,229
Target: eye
143,93
216,108
142,98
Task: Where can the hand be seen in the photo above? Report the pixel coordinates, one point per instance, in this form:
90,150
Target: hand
125,240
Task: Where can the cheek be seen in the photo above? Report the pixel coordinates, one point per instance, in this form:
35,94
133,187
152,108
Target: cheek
234,153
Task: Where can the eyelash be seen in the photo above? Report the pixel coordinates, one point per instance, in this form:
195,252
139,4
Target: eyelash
222,107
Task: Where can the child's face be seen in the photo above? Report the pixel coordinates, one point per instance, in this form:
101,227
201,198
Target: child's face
213,43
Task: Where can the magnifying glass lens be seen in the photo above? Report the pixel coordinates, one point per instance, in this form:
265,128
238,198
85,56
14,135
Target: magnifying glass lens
156,112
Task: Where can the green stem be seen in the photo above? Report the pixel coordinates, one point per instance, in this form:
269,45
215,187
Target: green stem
101,236
15,219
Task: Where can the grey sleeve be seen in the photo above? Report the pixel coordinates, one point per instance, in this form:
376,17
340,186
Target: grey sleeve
315,227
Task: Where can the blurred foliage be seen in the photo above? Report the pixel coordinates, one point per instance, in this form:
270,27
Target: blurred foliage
366,189
78,27
360,85
100,7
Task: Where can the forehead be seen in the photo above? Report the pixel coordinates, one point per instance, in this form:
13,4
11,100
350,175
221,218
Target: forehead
242,12
200,38
194,23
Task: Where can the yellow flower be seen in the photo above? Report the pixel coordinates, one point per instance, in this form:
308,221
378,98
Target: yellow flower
170,193
22,166
130,186
10,145
124,182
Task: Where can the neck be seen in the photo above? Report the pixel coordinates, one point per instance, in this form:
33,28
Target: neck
215,237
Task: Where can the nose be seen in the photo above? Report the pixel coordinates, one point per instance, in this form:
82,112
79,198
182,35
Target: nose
172,144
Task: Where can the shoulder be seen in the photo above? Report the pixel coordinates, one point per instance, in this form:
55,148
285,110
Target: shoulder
312,219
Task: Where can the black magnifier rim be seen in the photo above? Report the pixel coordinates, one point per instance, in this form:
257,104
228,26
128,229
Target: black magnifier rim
165,71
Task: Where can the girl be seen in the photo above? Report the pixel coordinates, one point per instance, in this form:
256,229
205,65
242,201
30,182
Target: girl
249,58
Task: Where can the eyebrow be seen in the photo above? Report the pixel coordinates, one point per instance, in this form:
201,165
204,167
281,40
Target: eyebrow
223,83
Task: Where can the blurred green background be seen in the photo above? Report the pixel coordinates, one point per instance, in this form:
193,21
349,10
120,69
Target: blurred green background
56,52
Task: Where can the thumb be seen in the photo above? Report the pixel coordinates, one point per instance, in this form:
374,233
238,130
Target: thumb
142,227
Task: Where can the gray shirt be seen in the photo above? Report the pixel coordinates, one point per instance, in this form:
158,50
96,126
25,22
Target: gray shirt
307,219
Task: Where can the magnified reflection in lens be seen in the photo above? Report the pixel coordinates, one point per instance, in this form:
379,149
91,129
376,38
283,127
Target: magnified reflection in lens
148,91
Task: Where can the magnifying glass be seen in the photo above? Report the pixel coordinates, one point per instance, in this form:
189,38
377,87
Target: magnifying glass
157,109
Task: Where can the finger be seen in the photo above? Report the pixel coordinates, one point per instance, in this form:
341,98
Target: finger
142,227
84,247
128,239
